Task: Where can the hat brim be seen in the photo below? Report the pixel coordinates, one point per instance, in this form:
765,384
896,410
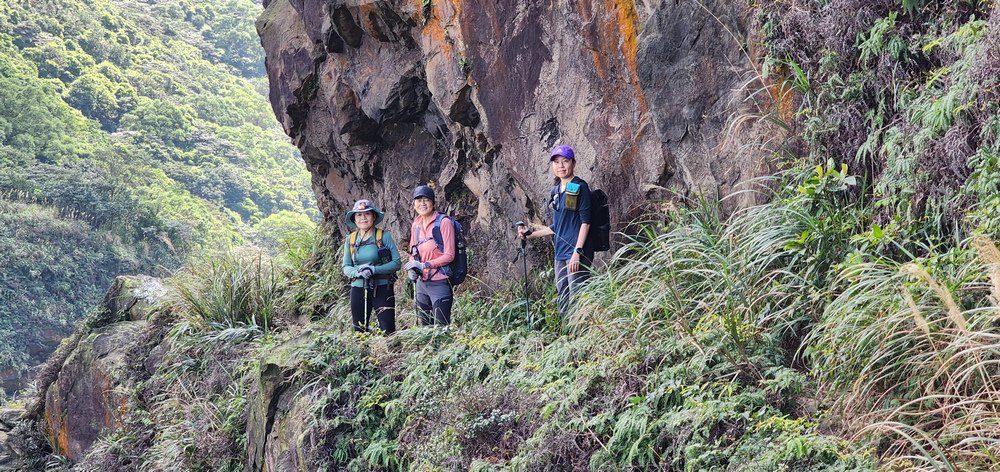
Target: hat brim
349,217
552,157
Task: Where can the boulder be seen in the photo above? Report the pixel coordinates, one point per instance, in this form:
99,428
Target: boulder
10,417
132,297
82,396
21,447
6,454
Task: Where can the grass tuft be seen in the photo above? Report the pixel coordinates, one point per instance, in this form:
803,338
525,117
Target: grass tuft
232,290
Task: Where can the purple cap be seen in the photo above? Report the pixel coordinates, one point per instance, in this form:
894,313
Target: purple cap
564,151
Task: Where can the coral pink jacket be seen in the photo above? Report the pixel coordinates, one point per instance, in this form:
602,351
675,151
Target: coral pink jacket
427,248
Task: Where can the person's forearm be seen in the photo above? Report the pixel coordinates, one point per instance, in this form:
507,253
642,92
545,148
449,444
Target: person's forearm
444,259
388,267
540,232
581,238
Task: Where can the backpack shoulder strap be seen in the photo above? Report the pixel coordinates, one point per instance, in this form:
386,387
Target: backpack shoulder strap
438,239
353,247
378,238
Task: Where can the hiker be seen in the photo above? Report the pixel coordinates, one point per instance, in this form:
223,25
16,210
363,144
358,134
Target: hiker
370,261
570,207
428,265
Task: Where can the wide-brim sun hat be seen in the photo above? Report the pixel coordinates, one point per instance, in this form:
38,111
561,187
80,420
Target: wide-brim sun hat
362,206
564,151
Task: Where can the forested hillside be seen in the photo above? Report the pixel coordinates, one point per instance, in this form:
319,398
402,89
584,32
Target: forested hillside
132,135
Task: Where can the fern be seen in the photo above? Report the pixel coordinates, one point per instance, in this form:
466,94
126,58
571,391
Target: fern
878,39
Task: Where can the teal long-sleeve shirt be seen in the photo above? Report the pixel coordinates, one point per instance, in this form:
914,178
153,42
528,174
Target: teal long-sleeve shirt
366,252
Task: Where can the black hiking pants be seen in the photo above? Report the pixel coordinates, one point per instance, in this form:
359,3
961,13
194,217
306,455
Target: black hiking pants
381,302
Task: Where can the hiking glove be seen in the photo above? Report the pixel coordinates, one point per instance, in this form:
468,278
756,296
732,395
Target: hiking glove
414,269
415,265
366,271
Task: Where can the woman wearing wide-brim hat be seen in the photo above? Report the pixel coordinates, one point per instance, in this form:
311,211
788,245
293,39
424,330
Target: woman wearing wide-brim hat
371,260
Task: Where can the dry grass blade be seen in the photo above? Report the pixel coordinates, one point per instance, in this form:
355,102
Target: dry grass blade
954,312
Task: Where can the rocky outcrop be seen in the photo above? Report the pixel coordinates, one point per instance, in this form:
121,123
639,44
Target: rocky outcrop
78,397
82,403
9,419
278,432
382,95
21,446
697,70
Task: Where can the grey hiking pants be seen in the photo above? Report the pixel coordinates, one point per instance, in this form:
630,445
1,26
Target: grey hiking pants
433,297
567,284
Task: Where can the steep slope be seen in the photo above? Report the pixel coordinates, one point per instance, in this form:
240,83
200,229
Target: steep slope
904,93
605,392
67,263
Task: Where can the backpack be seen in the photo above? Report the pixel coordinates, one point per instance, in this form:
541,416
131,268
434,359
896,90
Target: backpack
599,236
458,269
384,254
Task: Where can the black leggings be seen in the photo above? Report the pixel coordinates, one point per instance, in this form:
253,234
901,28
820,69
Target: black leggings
381,300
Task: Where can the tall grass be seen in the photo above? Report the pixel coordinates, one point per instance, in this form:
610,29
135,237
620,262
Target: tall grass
315,284
235,289
915,354
905,350
705,274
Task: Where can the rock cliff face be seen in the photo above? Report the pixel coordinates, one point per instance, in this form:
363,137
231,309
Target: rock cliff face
382,95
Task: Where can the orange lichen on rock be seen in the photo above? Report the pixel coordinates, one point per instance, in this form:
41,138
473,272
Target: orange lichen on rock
435,32
365,17
628,29
778,86
611,35
57,430
784,99
618,30
435,27
457,5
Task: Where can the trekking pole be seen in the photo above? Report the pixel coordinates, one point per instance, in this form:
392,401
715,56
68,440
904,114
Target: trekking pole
416,307
364,288
524,261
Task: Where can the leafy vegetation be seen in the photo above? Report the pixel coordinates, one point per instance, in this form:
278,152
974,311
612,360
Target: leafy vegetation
147,129
667,383
54,269
788,336
903,93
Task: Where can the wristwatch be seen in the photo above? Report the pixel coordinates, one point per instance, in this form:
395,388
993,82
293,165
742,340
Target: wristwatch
427,265
579,251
